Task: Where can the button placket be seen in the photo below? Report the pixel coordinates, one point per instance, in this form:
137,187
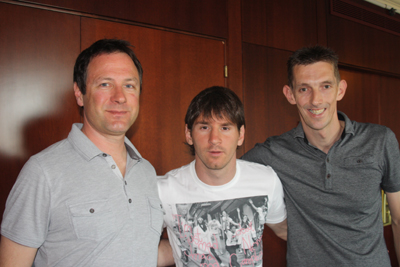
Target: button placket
328,175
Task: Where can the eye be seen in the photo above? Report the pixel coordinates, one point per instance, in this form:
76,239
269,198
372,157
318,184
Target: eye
303,89
225,128
104,84
327,86
130,86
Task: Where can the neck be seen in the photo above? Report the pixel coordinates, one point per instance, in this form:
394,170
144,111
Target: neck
324,139
106,143
215,177
112,145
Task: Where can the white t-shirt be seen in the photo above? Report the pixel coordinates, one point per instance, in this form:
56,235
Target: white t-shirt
185,199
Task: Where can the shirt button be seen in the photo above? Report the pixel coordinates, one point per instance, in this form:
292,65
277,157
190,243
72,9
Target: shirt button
113,167
327,159
126,183
91,210
130,200
104,155
328,176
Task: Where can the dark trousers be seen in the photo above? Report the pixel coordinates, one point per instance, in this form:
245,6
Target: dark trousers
233,257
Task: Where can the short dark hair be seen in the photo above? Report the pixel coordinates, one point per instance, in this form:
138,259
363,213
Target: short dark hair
309,55
215,101
103,46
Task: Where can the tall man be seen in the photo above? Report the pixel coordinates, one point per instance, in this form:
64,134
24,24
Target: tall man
91,199
332,170
214,183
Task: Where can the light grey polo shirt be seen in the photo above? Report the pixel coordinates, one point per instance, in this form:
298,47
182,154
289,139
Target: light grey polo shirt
334,200
71,202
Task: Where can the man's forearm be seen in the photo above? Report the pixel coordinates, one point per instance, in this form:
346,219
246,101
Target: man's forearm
396,238
280,229
165,256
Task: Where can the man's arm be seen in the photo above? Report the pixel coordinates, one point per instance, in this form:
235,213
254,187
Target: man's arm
165,257
251,203
394,206
280,229
14,254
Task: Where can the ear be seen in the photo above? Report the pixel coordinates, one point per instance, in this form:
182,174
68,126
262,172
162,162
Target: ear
188,135
78,95
288,92
341,90
241,136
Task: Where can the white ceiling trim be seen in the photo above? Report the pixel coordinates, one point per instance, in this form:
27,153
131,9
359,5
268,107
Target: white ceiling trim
387,4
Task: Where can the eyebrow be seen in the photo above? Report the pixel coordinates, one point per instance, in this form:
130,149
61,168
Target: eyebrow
324,82
111,79
208,122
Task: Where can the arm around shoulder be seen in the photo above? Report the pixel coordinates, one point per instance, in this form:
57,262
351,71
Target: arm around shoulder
14,254
280,229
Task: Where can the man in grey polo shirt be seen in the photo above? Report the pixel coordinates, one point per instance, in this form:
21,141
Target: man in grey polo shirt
332,170
91,199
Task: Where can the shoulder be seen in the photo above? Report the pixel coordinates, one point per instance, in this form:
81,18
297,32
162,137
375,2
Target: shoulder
275,142
256,169
177,172
372,127
52,155
176,175
371,130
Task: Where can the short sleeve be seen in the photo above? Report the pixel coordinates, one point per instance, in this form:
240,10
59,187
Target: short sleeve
26,217
391,157
277,207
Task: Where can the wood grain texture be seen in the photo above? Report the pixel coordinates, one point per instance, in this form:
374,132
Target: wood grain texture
268,112
362,99
206,17
286,25
363,46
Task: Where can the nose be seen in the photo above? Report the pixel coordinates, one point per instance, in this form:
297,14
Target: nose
316,98
118,95
215,136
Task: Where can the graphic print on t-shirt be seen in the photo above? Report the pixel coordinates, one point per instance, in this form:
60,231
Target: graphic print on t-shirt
220,233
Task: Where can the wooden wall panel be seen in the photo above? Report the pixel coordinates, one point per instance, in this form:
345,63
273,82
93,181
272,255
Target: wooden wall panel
176,67
361,101
37,106
267,110
363,46
206,17
371,97
285,25
389,88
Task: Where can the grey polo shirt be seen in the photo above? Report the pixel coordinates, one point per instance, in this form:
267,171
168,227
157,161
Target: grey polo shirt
334,200
71,202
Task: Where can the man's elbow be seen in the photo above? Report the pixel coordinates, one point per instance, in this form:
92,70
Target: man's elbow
396,222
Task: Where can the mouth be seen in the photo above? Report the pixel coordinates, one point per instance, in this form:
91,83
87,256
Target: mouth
215,152
117,112
316,111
